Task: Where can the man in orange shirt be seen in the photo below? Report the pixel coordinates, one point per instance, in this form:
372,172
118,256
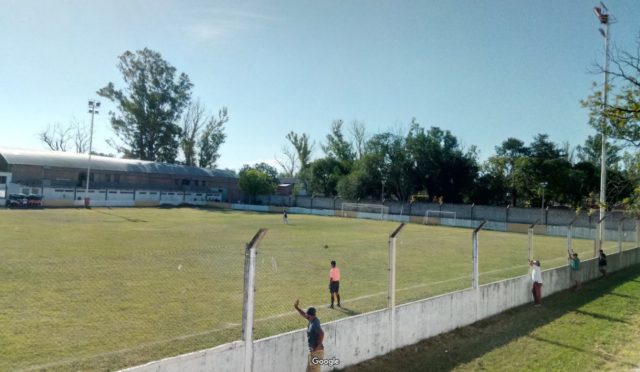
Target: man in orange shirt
334,283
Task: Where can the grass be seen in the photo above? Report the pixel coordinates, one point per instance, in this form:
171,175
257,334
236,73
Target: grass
596,329
106,288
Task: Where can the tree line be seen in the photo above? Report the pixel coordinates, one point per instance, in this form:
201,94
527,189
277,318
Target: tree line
157,119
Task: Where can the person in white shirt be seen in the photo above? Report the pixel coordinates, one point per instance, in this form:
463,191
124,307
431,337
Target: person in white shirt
536,277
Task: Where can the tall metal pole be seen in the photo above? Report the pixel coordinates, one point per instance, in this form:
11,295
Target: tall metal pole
248,304
391,284
603,17
93,109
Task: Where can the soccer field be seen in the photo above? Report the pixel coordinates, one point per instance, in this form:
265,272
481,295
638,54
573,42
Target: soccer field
109,288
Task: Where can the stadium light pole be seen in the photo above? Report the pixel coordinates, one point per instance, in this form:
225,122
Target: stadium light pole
602,13
93,109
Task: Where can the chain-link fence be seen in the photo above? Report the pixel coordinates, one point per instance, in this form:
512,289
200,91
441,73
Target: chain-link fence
105,289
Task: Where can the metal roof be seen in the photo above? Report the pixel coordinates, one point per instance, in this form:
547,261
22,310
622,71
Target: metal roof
80,161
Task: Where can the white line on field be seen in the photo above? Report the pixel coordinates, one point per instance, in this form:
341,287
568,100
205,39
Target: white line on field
233,325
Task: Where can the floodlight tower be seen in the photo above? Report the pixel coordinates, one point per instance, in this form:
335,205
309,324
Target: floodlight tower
93,109
602,13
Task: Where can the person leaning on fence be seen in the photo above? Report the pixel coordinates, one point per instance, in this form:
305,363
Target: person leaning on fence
315,336
602,263
334,283
536,278
574,264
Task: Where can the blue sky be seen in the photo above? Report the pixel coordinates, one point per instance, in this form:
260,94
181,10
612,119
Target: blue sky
485,70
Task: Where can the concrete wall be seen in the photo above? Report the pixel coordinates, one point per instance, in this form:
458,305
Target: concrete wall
358,338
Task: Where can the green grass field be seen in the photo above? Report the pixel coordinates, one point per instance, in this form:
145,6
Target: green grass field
595,329
103,289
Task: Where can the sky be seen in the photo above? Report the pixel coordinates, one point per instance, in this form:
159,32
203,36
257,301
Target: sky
484,70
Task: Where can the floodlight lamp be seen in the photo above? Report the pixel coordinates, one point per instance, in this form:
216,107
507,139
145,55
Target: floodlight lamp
603,6
597,11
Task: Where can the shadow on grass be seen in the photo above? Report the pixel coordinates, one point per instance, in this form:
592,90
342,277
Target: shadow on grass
347,311
570,347
446,351
118,216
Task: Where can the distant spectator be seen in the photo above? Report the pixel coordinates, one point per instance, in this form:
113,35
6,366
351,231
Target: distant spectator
536,278
576,277
602,263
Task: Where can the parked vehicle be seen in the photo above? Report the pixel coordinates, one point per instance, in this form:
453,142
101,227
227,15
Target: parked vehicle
34,201
17,201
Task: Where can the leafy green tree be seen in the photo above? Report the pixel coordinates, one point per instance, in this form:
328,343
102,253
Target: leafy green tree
592,150
211,139
619,118
260,179
337,146
439,165
302,146
149,107
352,186
325,174
387,159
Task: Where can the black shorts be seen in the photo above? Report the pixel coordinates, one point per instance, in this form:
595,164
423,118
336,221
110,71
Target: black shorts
334,287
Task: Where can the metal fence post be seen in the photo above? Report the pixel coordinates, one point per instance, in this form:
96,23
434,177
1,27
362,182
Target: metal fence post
391,283
474,238
600,233
570,235
620,223
530,233
249,298
475,281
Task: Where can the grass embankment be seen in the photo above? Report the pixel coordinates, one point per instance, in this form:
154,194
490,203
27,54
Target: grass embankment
595,329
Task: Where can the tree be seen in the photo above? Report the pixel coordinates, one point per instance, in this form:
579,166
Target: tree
325,174
303,148
192,121
358,133
212,138
337,146
619,118
259,179
150,106
254,182
439,165
56,137
60,138
592,150
288,164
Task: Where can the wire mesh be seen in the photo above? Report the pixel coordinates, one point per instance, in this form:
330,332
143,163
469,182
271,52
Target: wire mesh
104,289
293,262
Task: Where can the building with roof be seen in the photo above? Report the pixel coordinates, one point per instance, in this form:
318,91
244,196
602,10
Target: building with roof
45,173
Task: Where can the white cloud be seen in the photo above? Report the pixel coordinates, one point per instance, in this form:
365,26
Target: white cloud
215,24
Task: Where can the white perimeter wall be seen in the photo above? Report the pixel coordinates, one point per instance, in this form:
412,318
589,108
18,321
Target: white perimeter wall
358,338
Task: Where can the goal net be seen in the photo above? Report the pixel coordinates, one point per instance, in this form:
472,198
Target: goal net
433,217
377,211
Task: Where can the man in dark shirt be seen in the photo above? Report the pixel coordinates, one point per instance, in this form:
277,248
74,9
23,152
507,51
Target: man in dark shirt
315,335
602,263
